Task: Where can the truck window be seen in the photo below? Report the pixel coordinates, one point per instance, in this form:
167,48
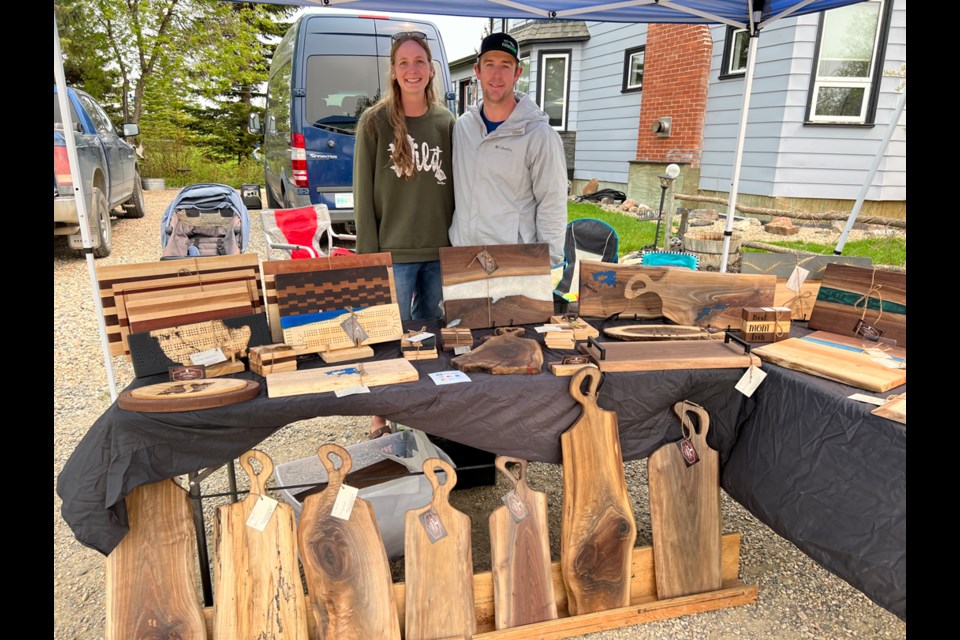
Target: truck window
74,116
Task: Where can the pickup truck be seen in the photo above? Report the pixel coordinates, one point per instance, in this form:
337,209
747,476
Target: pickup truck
108,169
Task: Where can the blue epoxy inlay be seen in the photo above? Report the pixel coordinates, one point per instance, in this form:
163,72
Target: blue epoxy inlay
708,311
827,343
289,322
347,371
606,278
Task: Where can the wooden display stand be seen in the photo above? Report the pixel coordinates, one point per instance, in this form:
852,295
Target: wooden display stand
644,606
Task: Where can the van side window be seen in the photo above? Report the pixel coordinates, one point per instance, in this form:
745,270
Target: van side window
278,107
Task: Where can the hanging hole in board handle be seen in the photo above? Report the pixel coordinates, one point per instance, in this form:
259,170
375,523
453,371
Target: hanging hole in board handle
327,454
501,464
430,466
592,378
258,479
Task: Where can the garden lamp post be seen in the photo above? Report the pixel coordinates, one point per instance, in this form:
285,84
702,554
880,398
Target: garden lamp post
672,171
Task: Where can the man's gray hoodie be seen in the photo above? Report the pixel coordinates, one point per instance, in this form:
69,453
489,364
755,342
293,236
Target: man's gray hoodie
510,186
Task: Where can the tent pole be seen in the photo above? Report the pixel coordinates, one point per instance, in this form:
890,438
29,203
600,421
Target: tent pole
738,157
888,134
65,116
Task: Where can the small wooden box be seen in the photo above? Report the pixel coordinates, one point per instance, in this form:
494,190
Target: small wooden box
456,337
271,358
765,324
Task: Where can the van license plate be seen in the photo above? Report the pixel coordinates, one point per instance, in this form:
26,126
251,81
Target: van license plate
343,200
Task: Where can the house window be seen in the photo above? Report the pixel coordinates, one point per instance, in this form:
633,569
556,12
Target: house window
736,45
553,86
523,82
846,73
633,69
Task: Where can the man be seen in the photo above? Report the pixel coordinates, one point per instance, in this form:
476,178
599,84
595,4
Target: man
509,169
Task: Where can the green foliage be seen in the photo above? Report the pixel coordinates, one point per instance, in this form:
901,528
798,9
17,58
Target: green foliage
181,165
882,250
634,234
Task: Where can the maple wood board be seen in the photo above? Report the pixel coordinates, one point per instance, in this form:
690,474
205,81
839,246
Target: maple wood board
152,310
685,511
381,324
895,409
670,355
644,605
842,300
800,303
834,357
348,353
323,379
150,587
597,523
273,268
520,553
257,587
348,574
642,332
700,298
439,597
518,291
211,272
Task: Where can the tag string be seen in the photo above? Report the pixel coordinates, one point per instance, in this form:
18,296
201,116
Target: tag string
874,290
799,298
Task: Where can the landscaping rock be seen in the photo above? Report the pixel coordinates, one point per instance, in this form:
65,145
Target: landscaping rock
781,227
704,214
628,204
590,187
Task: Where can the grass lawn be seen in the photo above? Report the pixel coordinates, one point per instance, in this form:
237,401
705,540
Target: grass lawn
892,251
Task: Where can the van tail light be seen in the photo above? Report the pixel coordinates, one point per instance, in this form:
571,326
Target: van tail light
298,159
61,167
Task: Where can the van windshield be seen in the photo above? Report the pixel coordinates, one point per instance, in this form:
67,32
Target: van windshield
342,87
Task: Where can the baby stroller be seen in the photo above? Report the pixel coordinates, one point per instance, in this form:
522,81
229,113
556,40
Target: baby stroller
204,220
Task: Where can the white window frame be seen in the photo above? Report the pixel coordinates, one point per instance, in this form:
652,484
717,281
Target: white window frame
868,82
524,60
629,56
728,53
542,84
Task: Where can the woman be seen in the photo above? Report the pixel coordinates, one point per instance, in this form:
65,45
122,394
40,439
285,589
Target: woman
403,197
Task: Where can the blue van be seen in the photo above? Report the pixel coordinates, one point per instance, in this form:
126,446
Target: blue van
326,70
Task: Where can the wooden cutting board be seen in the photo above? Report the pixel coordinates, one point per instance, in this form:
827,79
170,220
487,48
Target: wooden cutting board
598,528
685,511
502,354
205,393
520,553
701,298
848,294
371,374
835,357
438,566
258,593
650,332
895,409
348,574
669,355
150,576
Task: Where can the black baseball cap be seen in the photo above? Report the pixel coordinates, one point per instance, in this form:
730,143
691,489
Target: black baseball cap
500,42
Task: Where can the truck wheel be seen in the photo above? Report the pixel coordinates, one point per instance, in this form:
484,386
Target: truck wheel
102,212
135,207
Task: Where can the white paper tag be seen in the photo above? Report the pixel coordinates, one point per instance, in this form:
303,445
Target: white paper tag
343,506
862,397
550,327
750,380
449,377
453,323
208,357
262,511
420,337
797,278
349,391
459,351
889,363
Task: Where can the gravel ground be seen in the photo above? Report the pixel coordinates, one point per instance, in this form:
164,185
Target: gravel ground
797,598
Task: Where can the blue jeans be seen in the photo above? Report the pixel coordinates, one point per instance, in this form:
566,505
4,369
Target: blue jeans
418,289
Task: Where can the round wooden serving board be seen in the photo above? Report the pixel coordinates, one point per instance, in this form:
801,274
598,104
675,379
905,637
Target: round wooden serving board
656,332
188,396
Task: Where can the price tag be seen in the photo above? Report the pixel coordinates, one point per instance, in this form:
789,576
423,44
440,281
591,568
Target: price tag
750,380
343,506
353,329
797,278
459,351
551,327
208,357
688,452
453,323
889,363
430,520
262,511
862,397
515,506
349,391
420,337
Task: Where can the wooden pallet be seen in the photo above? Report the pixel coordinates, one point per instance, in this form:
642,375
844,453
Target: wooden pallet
644,605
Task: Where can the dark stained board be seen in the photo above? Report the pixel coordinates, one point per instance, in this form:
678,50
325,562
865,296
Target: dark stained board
843,300
460,264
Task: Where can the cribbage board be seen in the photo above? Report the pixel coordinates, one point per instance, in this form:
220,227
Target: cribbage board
381,324
274,268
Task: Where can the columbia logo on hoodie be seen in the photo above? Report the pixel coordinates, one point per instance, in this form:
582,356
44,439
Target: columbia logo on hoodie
424,159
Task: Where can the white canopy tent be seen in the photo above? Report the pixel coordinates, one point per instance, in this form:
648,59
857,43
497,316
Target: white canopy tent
752,15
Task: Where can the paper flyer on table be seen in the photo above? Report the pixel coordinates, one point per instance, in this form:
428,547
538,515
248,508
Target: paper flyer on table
449,377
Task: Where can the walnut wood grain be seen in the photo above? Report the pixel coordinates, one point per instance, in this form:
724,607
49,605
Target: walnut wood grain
503,354
598,528
458,264
150,587
257,588
685,512
842,301
348,574
482,313
520,554
439,575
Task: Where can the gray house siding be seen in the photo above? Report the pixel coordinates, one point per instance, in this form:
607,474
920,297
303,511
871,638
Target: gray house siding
607,118
783,157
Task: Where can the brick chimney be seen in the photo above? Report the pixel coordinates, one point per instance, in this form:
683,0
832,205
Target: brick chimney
675,76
